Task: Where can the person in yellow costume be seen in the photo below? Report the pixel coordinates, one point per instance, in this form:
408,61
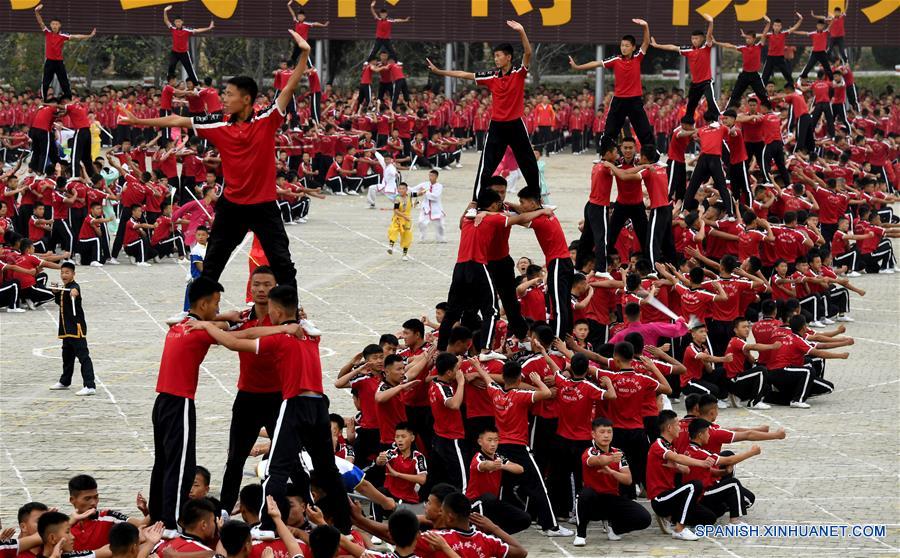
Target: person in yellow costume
401,221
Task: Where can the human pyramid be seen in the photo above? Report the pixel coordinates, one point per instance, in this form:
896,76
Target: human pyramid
537,392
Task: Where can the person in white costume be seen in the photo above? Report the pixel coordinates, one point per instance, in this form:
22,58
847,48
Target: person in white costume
431,210
390,178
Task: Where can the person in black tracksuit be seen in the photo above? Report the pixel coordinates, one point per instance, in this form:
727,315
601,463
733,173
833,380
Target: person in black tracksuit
596,215
629,202
709,164
73,330
502,271
507,86
259,394
54,66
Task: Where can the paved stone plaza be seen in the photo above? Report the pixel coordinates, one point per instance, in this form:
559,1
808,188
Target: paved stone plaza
838,465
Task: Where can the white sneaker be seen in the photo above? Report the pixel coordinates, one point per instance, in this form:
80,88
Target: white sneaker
258,534
302,220
459,165
340,194
144,264
799,405
376,541
182,260
492,355
685,535
854,274
405,258
827,321
15,310
289,223
664,525
845,318
30,304
371,206
95,263
722,404
762,406
888,271
86,391
169,533
58,386
352,193
113,261
132,260
579,541
612,536
558,532
310,328
816,324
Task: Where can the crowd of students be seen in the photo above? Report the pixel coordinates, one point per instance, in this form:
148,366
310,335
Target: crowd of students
536,393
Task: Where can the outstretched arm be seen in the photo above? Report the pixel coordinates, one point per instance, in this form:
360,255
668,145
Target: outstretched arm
709,29
585,66
526,45
170,121
723,44
671,48
210,27
284,98
796,25
449,73
645,40
37,15
166,16
291,9
84,37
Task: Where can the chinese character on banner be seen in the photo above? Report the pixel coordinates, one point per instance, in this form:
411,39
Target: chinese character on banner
560,13
748,10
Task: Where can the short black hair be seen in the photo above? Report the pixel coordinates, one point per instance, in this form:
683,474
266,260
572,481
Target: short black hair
80,483
203,287
445,362
246,85
458,504
388,339
391,359
67,265
488,197
649,151
415,325
26,510
632,310
324,541
441,490
696,426
251,496
263,270
636,340
797,322
122,537
630,39
601,421
371,349
696,275
459,333
624,350
49,520
706,402
233,535
512,370
579,365
404,527
665,417
286,297
204,473
195,511
506,48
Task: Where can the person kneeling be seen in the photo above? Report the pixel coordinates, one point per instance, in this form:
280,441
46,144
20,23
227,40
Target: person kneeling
604,468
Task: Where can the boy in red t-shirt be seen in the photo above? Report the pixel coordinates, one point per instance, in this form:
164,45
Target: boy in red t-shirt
405,468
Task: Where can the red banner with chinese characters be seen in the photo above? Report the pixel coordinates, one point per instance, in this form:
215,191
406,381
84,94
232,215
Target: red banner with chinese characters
868,22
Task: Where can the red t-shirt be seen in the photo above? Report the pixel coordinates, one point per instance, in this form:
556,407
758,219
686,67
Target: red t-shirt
594,477
819,40
477,400
258,371
93,532
550,237
659,477
448,422
678,145
390,413
695,366
383,29
577,398
750,55
53,44
837,25
474,241
656,181
601,185
412,465
298,362
821,91
484,482
627,72
798,104
697,302
776,43
183,353
699,62
180,38
511,412
507,90
711,138
793,349
632,389
771,128
87,228
246,149
766,331
365,387
302,28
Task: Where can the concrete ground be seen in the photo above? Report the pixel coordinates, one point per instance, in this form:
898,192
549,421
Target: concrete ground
839,464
